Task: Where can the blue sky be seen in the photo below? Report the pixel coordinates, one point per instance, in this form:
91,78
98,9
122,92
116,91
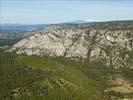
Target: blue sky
56,11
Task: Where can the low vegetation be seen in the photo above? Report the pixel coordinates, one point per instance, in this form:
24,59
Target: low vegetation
43,78
9,42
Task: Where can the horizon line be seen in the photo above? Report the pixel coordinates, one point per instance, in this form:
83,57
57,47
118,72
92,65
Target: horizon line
85,21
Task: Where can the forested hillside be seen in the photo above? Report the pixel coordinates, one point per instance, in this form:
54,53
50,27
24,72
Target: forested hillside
44,78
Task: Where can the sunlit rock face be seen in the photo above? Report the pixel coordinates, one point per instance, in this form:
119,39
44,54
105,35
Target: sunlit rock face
109,43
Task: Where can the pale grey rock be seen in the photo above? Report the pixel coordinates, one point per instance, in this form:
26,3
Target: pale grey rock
110,45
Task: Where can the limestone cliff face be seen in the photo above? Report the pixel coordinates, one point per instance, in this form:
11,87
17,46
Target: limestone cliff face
104,42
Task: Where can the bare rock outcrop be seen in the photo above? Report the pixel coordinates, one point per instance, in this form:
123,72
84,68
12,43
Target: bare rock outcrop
104,42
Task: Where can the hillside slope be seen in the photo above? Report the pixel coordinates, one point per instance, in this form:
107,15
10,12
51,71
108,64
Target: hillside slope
44,78
108,42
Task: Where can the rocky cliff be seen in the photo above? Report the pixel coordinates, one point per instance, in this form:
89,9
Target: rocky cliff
107,42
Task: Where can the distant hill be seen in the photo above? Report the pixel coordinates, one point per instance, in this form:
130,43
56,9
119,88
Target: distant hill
13,31
15,28
77,22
